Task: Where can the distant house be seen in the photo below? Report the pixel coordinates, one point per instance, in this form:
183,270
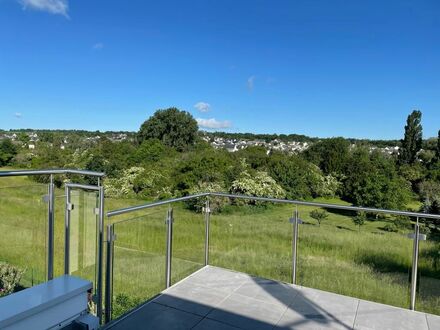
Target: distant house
31,146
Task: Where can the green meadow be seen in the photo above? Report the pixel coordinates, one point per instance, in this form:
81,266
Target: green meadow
368,263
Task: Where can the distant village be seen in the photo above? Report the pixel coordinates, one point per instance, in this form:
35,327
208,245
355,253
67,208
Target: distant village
292,147
30,139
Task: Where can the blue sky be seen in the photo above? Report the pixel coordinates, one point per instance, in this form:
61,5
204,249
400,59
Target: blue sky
320,68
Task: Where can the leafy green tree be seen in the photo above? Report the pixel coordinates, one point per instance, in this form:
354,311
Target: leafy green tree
7,152
293,173
359,219
437,151
149,151
175,128
255,156
412,140
205,166
329,154
372,180
319,215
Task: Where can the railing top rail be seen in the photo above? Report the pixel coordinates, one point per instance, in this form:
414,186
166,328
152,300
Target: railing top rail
153,204
50,171
276,200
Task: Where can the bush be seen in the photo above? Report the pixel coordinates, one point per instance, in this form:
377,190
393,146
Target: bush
10,276
259,184
216,204
319,215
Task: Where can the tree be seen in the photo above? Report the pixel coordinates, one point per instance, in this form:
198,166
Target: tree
372,180
175,128
412,141
7,152
437,151
329,154
359,219
319,215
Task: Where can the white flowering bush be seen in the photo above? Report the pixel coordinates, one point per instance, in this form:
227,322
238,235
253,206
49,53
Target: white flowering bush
259,184
10,276
138,181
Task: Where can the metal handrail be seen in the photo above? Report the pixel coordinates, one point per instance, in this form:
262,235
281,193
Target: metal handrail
274,200
149,205
51,171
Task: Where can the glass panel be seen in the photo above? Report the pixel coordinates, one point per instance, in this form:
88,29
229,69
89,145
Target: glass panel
252,237
139,259
188,238
60,205
428,290
355,254
23,228
83,235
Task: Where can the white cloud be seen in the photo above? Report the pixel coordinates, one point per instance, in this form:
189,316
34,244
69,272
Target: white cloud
18,115
202,106
213,123
251,82
58,7
98,46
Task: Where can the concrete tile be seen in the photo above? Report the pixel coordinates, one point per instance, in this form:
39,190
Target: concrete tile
191,298
170,319
208,324
269,291
247,313
433,321
310,303
215,278
292,319
374,316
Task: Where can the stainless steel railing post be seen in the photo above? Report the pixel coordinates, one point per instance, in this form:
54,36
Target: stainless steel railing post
169,251
415,261
294,221
68,208
207,211
109,273
50,227
99,288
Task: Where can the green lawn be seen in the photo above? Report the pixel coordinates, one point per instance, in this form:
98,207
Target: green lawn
370,264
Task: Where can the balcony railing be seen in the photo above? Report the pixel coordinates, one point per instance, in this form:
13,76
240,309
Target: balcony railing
160,243
28,220
153,245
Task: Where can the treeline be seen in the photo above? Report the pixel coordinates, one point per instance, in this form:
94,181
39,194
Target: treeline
168,158
296,138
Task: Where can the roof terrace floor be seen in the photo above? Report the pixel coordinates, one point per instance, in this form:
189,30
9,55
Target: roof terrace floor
219,299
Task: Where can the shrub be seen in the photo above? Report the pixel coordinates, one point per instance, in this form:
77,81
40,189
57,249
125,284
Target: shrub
215,203
260,184
319,215
359,219
10,276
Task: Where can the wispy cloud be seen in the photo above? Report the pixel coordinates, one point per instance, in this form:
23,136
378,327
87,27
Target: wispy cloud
251,83
58,7
213,123
98,46
18,115
202,106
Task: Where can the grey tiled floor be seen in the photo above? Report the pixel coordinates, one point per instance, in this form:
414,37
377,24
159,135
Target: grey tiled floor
219,299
